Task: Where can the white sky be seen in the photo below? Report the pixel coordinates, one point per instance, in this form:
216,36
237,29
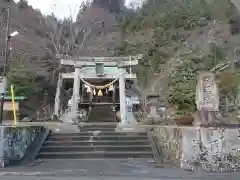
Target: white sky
61,8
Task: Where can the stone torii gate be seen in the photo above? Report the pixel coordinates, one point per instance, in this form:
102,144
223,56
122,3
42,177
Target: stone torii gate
81,62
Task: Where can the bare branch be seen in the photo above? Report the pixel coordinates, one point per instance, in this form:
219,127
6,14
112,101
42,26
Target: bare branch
52,35
84,39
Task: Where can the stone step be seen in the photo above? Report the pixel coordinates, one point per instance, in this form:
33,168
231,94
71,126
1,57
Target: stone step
102,129
101,106
96,124
100,114
103,100
108,133
95,154
97,128
96,143
81,148
102,137
104,110
99,118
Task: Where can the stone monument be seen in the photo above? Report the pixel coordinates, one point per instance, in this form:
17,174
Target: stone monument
207,96
207,100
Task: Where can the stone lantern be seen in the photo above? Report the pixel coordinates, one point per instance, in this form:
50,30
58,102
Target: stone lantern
153,105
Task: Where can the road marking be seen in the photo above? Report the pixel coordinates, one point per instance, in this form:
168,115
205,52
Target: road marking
25,173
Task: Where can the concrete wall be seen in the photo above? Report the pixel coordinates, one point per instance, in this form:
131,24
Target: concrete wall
168,140
213,149
15,141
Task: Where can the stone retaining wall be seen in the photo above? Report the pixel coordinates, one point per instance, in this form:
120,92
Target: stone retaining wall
169,143
213,149
14,142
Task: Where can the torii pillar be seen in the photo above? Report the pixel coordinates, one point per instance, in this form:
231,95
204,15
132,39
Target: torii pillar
75,95
57,96
122,94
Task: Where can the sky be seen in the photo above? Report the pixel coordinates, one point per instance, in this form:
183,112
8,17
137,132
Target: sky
61,8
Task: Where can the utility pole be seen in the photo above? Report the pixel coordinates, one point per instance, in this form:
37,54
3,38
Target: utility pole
6,56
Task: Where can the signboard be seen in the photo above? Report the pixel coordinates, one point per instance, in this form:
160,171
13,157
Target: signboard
99,68
3,84
135,101
207,96
7,106
132,100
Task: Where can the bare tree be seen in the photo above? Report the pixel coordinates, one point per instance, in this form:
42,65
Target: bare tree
66,35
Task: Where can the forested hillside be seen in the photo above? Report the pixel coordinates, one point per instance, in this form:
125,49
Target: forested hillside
33,67
180,39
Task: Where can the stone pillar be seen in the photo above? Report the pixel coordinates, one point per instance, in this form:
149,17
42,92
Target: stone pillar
122,95
129,113
57,96
75,95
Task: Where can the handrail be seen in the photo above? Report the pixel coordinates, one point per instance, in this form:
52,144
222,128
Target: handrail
46,110
156,149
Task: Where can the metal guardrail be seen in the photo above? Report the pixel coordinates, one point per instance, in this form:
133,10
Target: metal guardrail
156,149
46,111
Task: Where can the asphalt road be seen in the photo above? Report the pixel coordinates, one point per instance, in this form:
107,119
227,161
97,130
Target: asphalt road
97,178
106,169
77,178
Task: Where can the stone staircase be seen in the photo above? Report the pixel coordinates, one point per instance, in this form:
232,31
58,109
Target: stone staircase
101,113
102,99
98,141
